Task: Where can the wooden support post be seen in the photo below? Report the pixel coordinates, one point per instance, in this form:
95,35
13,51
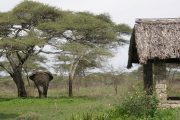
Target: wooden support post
148,78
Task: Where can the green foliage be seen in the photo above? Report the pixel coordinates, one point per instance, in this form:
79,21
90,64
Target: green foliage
123,28
75,48
30,12
20,43
105,17
85,27
93,29
84,55
32,63
82,49
35,12
6,18
59,26
138,105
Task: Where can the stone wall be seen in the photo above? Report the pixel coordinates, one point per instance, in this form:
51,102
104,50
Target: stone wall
170,104
161,87
161,90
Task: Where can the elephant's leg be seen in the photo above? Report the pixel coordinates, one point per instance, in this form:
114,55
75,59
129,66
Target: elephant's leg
45,89
39,90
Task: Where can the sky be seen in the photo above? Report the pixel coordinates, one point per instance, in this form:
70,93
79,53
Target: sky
121,11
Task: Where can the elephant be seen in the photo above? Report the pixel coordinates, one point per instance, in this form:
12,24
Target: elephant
41,79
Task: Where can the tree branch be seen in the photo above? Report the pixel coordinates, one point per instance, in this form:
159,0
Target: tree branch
19,57
27,55
8,71
16,34
12,63
49,52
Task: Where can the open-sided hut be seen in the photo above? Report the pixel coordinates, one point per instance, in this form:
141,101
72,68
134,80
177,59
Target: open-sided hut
153,43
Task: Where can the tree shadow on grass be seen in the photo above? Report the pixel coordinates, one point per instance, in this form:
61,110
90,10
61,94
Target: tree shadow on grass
5,99
7,116
53,97
75,97
9,99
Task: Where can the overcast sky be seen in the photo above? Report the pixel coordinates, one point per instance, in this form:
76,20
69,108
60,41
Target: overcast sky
121,11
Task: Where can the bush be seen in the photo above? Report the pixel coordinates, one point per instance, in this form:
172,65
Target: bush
137,105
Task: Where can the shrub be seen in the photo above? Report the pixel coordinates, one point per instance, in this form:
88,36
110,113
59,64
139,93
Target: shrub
136,104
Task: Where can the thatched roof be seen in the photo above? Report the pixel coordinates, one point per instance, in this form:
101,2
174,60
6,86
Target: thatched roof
155,39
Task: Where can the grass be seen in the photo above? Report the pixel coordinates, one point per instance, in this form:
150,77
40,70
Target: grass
51,108
94,99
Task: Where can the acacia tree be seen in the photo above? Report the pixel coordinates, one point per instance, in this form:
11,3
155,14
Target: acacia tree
80,58
86,35
17,48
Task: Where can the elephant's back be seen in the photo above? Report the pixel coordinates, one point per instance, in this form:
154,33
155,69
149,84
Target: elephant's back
41,78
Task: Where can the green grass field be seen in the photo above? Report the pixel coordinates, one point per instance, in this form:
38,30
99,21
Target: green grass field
95,99
91,97
51,108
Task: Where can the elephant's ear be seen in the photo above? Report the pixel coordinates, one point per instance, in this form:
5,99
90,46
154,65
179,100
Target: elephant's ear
32,76
50,75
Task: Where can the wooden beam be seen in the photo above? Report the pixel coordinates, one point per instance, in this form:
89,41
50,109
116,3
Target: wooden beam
148,78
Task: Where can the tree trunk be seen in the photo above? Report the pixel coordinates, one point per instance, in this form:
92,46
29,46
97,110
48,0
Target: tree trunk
70,86
115,87
72,76
17,77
